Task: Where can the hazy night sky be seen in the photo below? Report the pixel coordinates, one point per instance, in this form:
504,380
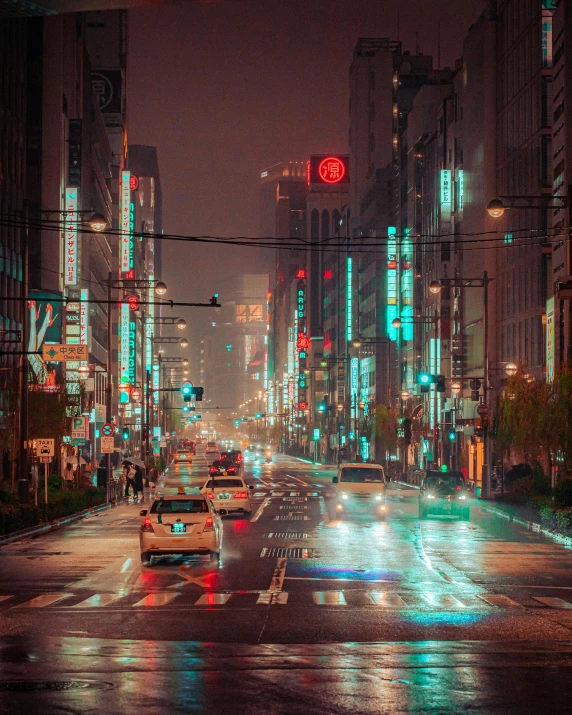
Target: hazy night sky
225,88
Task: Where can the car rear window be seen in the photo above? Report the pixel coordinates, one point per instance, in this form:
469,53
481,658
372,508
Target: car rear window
225,483
445,480
361,475
179,506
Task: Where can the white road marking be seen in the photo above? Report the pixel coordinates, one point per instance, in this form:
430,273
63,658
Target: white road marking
385,599
43,601
329,598
499,600
278,575
126,565
97,600
155,599
553,602
213,599
443,600
268,598
261,508
291,476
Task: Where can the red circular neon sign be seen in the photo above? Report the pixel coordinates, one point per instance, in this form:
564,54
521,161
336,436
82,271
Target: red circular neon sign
331,170
133,182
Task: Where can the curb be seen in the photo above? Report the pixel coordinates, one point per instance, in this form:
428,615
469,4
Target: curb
530,525
55,524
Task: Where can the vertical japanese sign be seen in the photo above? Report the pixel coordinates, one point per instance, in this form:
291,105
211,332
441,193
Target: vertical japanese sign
446,196
124,328
70,237
132,350
156,381
354,379
550,339
546,39
349,299
125,224
84,319
391,281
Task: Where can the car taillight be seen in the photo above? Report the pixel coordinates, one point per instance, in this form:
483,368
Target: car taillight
241,495
210,496
147,525
459,489
209,524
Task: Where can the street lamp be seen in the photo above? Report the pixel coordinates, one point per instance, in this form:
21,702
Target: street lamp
181,324
185,362
499,205
404,395
396,322
511,369
435,287
160,288
496,208
357,343
98,222
184,343
83,371
456,388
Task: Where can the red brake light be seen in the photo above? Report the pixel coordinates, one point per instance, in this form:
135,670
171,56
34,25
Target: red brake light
210,496
459,489
147,524
209,524
241,495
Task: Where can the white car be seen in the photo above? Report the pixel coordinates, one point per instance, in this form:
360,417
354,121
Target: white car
361,488
183,523
183,456
229,494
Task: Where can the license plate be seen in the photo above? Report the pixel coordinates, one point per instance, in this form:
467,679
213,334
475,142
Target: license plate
223,496
224,474
178,528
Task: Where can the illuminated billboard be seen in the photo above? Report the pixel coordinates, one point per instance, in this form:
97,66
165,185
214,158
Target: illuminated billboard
330,169
70,237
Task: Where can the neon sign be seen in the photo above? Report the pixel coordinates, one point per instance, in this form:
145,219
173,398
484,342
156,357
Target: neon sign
71,241
349,299
391,281
331,170
446,195
301,273
124,336
126,223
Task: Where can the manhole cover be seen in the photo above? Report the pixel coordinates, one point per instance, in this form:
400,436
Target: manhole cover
44,686
274,552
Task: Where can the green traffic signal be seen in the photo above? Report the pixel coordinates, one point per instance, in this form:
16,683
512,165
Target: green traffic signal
424,378
125,433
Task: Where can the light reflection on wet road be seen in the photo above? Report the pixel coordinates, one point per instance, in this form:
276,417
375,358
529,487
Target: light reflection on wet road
432,616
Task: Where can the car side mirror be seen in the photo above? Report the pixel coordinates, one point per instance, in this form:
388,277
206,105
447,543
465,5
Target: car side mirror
335,480
251,486
143,512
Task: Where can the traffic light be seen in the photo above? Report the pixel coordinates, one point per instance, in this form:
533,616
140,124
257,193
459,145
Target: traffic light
436,434
475,387
259,415
424,379
440,380
186,408
187,388
186,398
198,393
407,430
322,407
452,435
125,433
458,356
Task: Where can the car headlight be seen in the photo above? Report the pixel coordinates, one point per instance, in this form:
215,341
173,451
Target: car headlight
344,496
462,496
429,496
378,497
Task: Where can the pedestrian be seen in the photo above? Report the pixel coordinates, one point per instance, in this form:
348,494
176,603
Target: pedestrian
128,474
138,482
69,475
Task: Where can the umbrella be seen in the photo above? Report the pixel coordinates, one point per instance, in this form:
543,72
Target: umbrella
135,461
74,459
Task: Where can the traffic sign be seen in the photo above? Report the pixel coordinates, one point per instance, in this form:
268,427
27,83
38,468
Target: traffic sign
483,410
45,460
107,445
64,353
79,427
108,430
45,448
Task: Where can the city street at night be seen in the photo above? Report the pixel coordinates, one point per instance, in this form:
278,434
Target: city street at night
383,609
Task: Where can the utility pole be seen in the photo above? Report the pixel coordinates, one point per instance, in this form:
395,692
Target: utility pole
23,387
486,469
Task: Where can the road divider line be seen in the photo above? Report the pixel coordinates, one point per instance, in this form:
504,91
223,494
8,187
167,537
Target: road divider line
278,575
261,508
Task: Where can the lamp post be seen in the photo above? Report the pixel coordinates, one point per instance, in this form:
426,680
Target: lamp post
497,206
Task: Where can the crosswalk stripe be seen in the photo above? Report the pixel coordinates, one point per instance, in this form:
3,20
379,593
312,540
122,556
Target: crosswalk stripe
45,600
329,598
383,598
213,599
553,602
499,600
97,600
272,598
443,600
155,599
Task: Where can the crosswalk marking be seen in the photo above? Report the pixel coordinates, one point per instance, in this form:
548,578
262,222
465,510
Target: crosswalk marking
44,600
272,598
383,598
213,599
156,599
499,600
329,598
552,601
97,600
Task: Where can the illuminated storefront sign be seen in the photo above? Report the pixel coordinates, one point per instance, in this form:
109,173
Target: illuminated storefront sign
406,262
460,190
132,350
302,340
349,299
156,383
550,339
446,195
546,40
126,223
70,237
354,381
124,334
328,169
391,281
84,319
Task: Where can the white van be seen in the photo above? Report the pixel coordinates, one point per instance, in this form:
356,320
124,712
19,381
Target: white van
361,488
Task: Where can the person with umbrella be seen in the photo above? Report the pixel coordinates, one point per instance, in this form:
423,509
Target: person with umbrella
128,475
138,482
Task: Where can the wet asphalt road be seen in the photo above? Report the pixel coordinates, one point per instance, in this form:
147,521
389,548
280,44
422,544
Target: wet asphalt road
305,613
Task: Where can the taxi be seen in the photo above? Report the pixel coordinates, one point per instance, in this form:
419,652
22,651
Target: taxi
229,494
183,523
183,456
